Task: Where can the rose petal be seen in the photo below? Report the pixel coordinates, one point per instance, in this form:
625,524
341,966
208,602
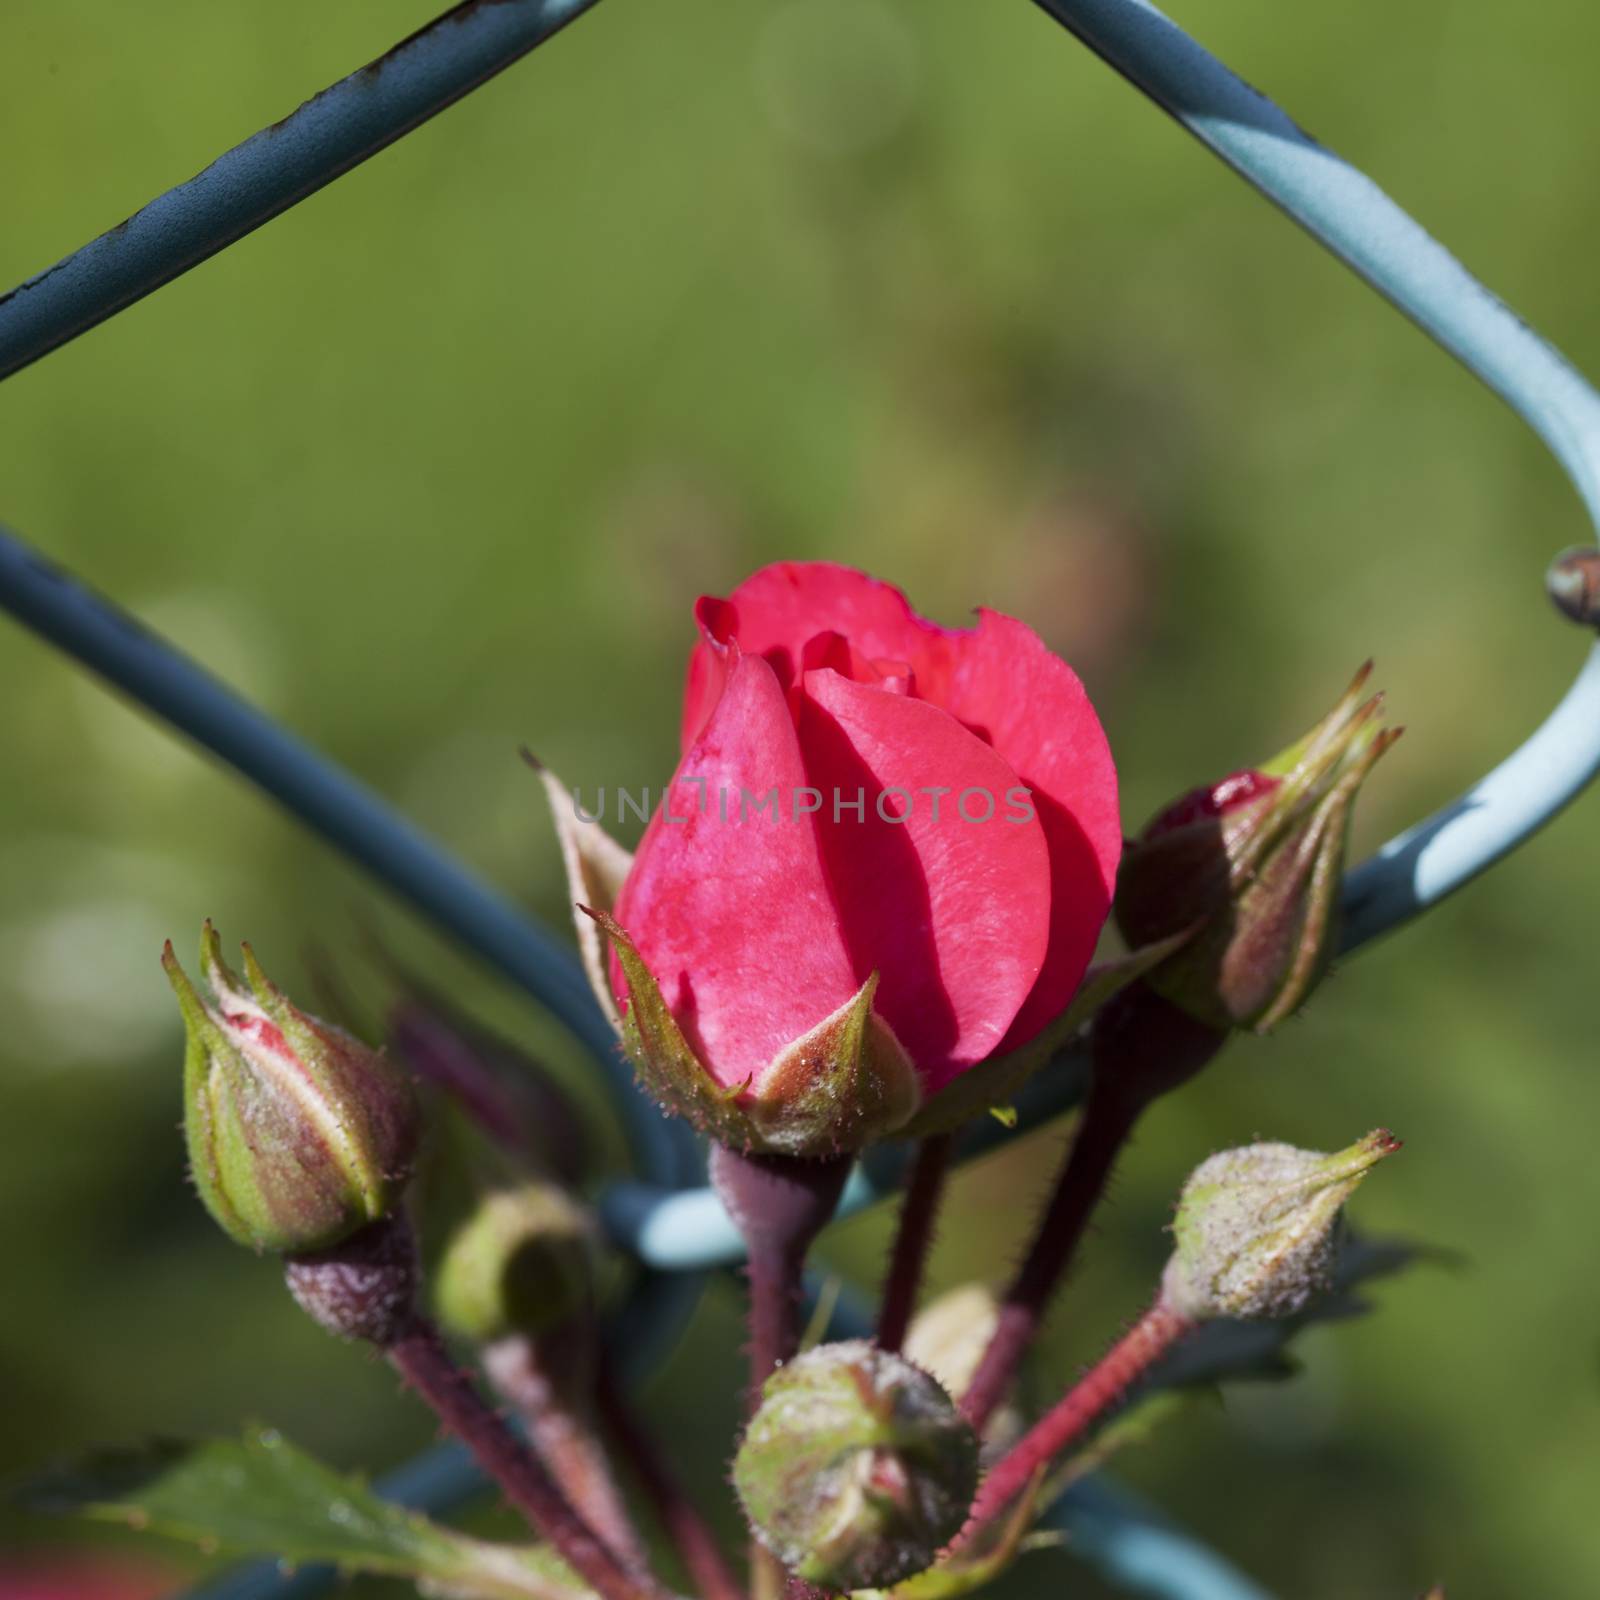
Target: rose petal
775,612
1028,703
953,914
733,914
998,679
709,662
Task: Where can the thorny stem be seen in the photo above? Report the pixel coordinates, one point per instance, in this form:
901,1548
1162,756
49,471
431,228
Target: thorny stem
775,1272
680,1518
1141,1047
779,1205
1107,1122
913,1240
776,1279
547,1381
1084,1404
421,1359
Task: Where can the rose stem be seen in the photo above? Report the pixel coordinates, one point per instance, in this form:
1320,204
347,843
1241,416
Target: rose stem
1141,1047
546,1380
691,1536
421,1359
779,1205
365,1287
913,1239
1083,1405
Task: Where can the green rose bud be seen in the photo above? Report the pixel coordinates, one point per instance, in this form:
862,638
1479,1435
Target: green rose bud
857,1469
1256,1228
522,1262
298,1134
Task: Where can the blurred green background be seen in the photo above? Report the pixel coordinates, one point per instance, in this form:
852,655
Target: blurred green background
437,463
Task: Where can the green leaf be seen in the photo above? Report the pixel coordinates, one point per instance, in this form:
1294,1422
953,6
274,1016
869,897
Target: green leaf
261,1496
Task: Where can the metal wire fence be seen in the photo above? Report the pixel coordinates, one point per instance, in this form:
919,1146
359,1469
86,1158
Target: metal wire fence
663,1214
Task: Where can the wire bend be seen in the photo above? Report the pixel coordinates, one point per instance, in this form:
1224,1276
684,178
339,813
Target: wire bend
1351,216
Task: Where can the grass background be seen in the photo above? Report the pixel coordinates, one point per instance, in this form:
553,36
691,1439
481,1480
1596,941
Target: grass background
438,462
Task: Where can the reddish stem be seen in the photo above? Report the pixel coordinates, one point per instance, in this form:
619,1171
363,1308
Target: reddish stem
779,1205
776,1280
421,1359
1107,1122
691,1536
1142,1047
1084,1404
913,1240
548,1381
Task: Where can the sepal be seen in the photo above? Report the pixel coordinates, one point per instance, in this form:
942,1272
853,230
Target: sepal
597,867
834,1090
671,1073
840,1087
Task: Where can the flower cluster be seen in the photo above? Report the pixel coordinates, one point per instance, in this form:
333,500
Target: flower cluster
865,905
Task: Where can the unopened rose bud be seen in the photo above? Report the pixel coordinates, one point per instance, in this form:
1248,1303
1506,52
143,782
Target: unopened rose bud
298,1134
1252,866
857,1469
882,865
1256,1228
522,1262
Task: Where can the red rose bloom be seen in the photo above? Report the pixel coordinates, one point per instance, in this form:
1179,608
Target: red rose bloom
945,816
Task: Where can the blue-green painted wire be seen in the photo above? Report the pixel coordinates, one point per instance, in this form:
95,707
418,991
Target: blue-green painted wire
1142,1550
349,816
1345,211
257,180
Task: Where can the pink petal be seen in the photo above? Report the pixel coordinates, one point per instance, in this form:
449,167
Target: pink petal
953,914
735,917
1028,703
709,662
777,611
998,679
